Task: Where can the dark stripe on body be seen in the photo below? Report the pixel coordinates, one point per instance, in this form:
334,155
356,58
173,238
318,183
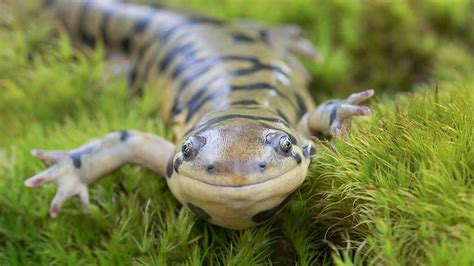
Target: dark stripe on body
333,114
126,44
143,22
144,64
132,79
252,69
301,105
280,113
77,162
267,214
157,6
103,26
242,38
184,50
124,135
145,47
143,67
216,120
85,37
169,167
196,102
140,26
246,107
77,154
264,36
245,102
207,63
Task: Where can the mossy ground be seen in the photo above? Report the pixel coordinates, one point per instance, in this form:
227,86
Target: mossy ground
399,191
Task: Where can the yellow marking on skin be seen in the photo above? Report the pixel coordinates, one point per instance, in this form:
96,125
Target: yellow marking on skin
238,180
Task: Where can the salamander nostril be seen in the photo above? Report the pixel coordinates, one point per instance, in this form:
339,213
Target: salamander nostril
262,165
211,169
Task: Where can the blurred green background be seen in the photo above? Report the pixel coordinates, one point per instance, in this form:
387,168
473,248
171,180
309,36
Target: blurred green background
400,191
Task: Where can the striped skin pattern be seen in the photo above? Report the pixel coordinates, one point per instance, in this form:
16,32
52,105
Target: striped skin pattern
235,97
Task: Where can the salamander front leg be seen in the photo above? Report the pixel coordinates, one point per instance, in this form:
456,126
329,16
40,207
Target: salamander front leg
333,118
72,171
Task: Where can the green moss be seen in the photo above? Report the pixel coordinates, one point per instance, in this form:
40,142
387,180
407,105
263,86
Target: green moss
399,191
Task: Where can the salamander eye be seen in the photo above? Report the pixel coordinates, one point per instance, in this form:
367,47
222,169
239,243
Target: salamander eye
285,144
187,148
191,146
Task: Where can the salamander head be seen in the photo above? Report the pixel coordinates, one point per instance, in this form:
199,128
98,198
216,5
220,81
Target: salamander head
239,172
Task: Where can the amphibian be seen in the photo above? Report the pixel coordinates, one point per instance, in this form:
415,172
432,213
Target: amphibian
235,97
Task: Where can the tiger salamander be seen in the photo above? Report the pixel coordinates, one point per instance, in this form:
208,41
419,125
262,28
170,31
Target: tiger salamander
235,99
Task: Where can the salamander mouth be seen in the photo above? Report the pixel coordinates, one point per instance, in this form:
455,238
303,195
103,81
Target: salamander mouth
243,185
